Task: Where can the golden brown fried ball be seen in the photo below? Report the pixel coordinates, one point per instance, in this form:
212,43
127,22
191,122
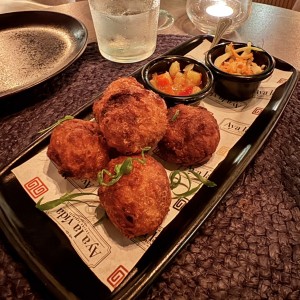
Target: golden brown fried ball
77,149
139,201
130,117
192,136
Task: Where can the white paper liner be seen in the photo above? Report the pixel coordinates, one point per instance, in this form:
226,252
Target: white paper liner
105,251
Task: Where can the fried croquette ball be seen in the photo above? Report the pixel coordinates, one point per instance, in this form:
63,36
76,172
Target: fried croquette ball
192,136
77,149
139,201
130,117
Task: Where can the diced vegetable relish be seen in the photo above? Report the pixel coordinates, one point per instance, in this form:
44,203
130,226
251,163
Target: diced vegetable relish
176,82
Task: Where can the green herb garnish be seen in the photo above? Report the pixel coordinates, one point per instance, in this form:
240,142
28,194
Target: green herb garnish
121,169
64,198
176,114
176,179
65,118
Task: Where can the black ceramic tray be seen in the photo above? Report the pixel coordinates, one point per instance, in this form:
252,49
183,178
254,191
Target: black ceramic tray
48,252
36,45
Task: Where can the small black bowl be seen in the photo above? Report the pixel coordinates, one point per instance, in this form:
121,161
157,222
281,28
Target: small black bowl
163,63
238,87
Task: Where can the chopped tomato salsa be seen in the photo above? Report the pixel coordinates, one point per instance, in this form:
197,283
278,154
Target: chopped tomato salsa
176,82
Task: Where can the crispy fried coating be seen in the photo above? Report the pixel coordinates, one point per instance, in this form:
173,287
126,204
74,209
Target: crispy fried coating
77,149
192,136
130,117
139,201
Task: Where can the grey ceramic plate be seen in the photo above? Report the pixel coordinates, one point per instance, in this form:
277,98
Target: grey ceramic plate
36,45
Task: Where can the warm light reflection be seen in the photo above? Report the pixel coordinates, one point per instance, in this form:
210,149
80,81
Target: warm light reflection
220,9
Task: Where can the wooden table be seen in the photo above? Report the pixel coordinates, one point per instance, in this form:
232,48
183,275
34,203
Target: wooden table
273,28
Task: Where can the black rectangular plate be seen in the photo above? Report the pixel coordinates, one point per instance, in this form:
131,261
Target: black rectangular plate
47,250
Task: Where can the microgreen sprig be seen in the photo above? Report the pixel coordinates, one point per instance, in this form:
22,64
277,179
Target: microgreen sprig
176,114
121,169
67,197
177,179
65,118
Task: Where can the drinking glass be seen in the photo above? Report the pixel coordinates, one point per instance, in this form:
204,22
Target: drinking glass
205,14
126,30
165,19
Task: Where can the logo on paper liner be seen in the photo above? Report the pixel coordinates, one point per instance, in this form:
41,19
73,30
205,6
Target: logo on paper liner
223,151
234,127
180,203
36,187
257,111
117,276
282,80
91,246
